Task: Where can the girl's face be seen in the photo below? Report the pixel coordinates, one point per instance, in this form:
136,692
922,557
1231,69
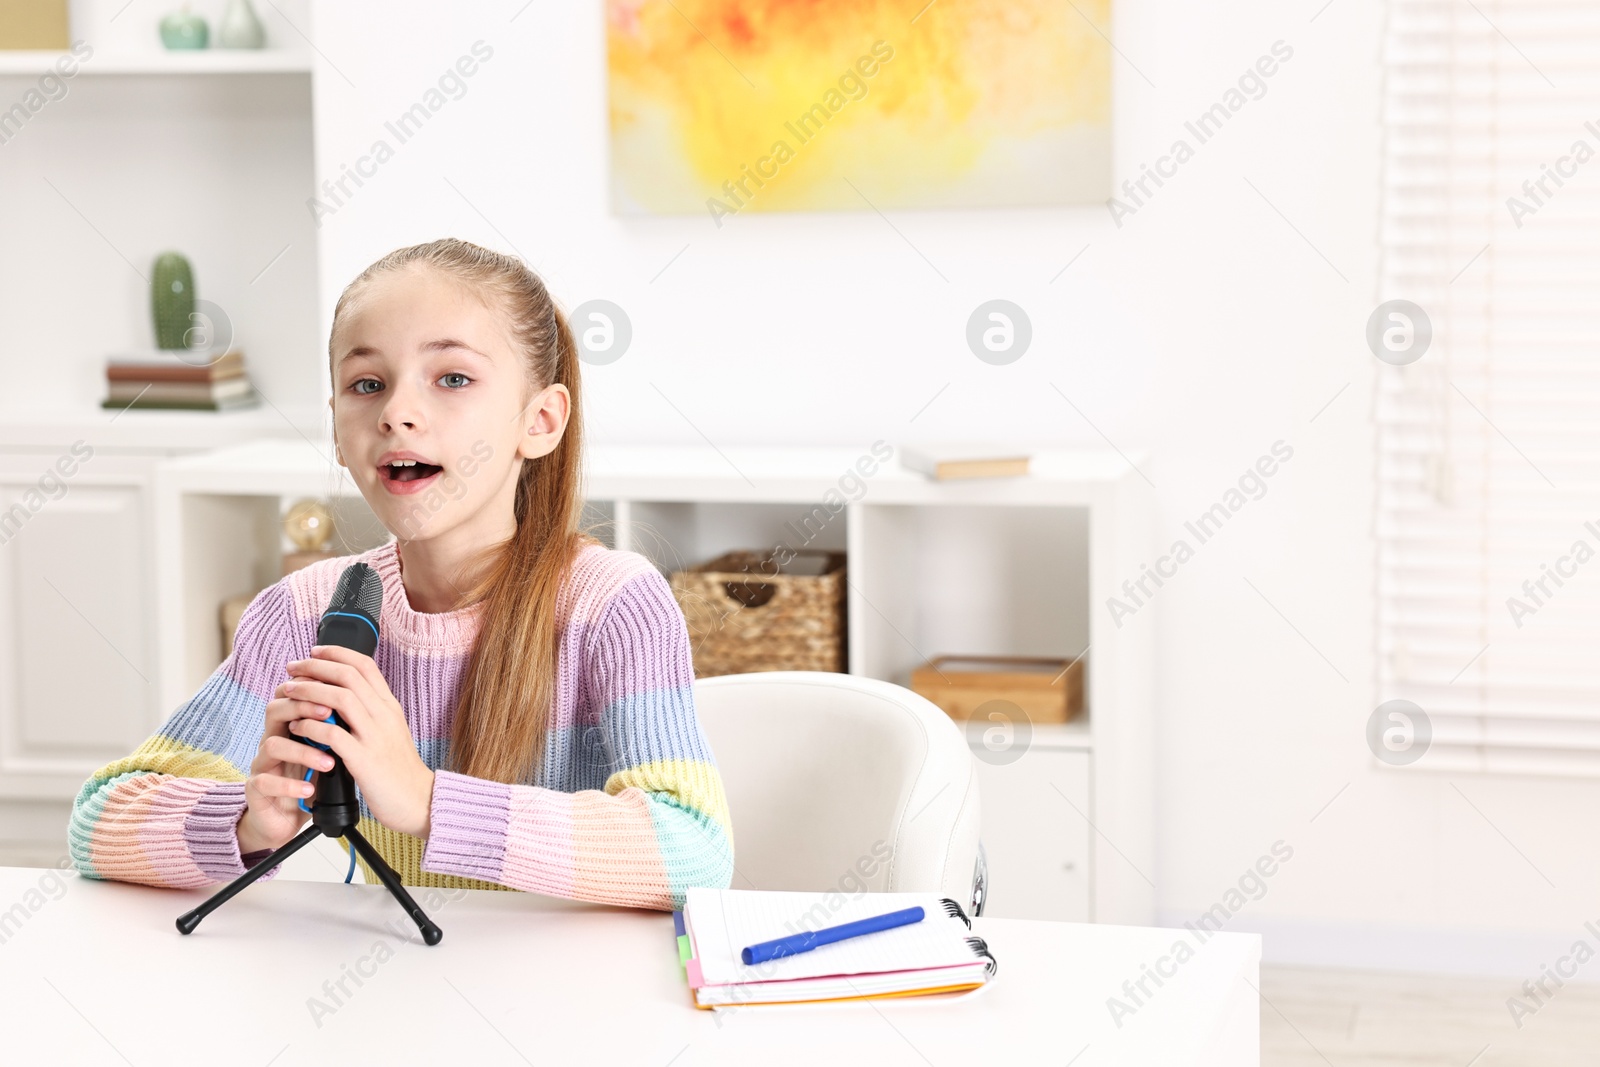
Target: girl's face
424,371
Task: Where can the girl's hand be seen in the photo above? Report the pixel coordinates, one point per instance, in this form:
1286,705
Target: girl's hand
375,742
275,787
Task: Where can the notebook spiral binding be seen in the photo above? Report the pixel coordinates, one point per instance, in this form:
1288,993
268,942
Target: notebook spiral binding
952,909
978,945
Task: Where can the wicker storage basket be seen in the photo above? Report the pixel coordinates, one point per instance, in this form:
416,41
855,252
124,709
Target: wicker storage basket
746,613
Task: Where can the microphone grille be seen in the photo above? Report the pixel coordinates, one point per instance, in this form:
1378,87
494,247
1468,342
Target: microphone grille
359,590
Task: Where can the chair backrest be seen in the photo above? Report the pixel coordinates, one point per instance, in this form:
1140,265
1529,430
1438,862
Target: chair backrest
840,782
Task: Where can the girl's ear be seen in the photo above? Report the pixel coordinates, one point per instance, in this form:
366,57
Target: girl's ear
546,422
336,453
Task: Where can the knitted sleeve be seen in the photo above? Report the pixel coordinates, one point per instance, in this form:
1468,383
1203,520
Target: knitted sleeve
168,814
660,823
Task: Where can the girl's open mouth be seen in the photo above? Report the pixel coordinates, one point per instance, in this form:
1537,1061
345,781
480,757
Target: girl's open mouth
408,477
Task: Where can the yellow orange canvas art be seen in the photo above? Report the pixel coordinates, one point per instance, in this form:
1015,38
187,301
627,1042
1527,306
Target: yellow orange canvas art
722,107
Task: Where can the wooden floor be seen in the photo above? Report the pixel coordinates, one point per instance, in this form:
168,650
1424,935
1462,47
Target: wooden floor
1317,1018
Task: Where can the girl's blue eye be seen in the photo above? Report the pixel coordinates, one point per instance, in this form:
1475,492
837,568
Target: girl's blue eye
455,374
363,381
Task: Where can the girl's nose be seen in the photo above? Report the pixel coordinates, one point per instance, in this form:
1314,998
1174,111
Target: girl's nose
401,410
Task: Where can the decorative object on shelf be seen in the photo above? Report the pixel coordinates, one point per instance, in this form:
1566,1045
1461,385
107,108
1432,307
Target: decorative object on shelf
746,612
240,28
184,31
170,380
309,524
172,300
1047,689
188,369
35,24
943,462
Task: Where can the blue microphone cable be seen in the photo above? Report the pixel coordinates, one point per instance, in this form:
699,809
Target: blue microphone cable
318,744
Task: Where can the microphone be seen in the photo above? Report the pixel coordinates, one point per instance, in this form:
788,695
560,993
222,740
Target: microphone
351,621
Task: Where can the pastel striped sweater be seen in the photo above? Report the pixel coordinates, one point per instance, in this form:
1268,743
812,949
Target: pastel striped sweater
626,807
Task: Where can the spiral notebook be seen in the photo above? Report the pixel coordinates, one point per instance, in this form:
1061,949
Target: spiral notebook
940,954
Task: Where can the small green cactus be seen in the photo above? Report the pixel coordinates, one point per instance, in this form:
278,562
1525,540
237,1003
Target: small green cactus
172,299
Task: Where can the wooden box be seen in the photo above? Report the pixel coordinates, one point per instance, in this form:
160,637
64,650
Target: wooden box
1048,689
747,613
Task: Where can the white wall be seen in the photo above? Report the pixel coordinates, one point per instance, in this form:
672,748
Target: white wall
1203,330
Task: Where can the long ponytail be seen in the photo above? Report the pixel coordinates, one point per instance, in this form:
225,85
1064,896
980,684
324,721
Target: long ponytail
508,686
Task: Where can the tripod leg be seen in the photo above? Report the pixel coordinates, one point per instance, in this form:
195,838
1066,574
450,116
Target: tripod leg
431,934
190,919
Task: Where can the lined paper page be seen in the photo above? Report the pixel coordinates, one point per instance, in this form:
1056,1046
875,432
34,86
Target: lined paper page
725,921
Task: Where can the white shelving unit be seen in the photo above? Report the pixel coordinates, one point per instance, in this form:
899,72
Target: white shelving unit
201,61
137,151
1005,566
141,150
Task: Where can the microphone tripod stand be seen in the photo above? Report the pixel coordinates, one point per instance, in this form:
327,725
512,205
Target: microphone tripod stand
335,815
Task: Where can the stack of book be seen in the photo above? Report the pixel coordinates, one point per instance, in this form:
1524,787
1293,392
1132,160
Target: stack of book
814,946
180,379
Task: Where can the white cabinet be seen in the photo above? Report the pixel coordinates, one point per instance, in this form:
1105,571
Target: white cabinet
1036,834
79,641
77,667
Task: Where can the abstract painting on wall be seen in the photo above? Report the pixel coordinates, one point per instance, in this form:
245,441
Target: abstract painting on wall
730,106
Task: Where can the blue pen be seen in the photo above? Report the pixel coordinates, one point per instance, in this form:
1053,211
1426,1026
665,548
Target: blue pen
797,943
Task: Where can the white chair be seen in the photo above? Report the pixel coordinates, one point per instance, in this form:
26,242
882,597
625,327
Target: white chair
839,782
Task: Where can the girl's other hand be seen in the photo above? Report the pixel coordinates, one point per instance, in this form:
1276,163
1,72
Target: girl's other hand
275,787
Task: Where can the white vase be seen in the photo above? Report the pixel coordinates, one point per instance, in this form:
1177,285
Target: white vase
240,28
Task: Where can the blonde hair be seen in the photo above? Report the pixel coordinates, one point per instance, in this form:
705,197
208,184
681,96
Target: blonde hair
507,689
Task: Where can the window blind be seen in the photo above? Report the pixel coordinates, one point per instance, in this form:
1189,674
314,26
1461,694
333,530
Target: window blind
1488,457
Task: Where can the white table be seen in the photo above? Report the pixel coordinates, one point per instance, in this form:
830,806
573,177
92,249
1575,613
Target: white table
95,972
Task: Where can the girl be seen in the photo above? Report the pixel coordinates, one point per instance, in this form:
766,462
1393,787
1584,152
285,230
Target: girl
527,721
